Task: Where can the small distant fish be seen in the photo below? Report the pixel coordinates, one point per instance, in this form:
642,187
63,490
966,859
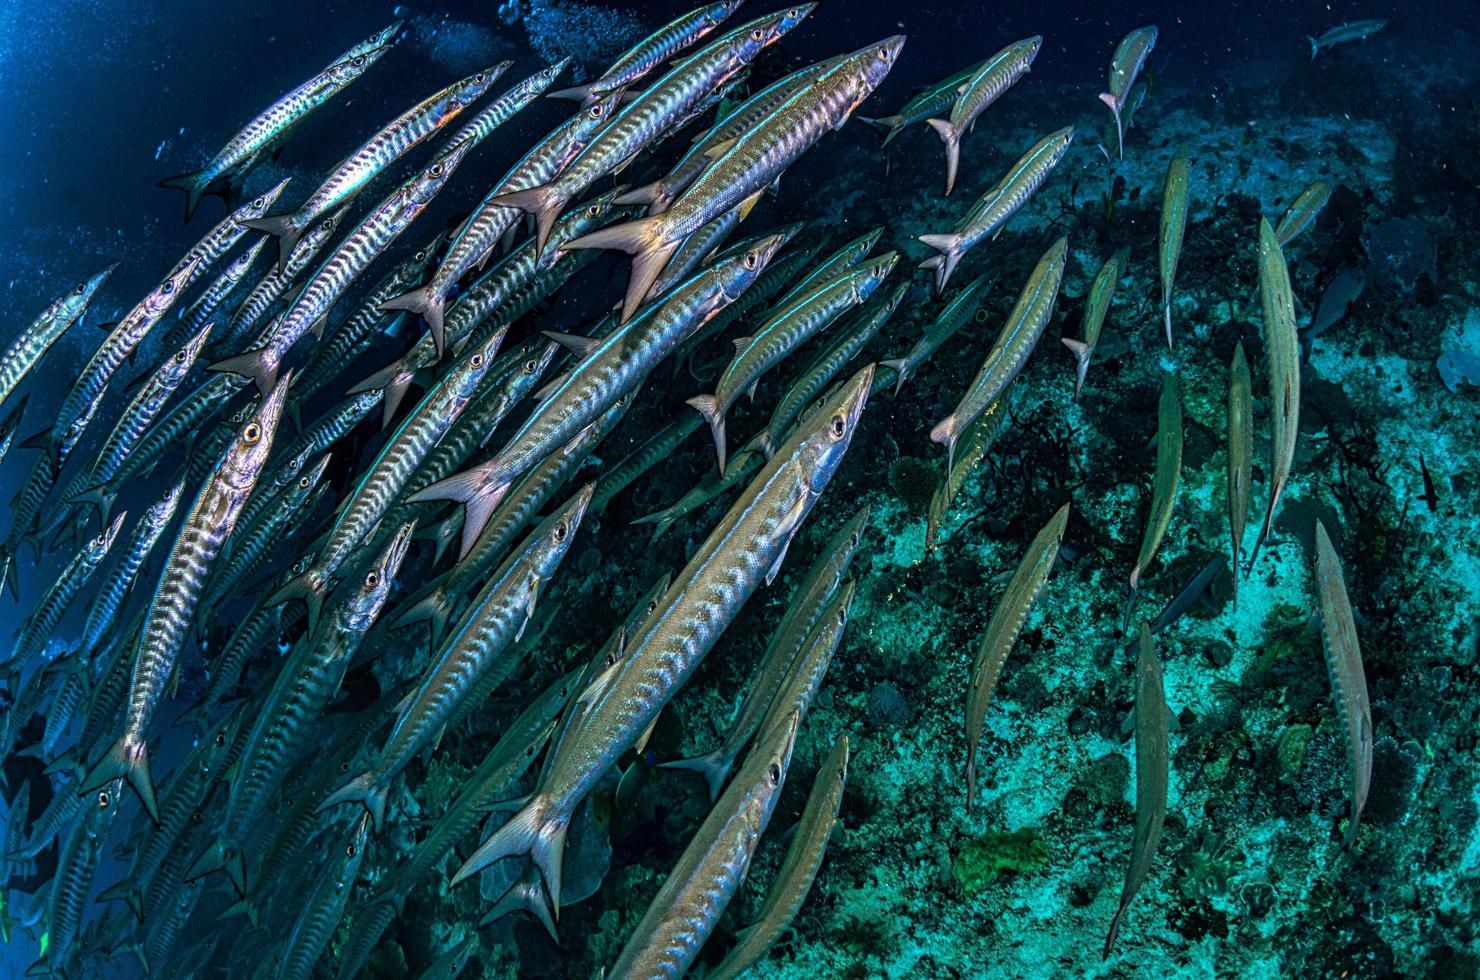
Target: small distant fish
1130,55
1357,30
1173,227
1341,292
1240,455
951,318
1168,475
1096,306
1152,772
1282,352
1303,211
985,86
1348,680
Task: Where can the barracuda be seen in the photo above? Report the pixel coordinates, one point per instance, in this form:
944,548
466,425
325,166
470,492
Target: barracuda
951,318
397,138
1096,306
384,479
497,621
990,214
1130,56
27,350
308,679
749,544
609,368
274,123
655,49
688,906
985,86
362,246
172,611
792,325
1010,352
653,113
474,241
36,631
754,162
1173,228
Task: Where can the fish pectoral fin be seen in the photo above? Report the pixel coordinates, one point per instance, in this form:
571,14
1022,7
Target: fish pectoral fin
640,746
791,525
577,345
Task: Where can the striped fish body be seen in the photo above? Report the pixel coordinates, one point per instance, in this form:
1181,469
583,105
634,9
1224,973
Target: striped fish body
325,903
798,869
77,866
804,676
308,679
171,613
219,291
793,325
178,425
1173,227
70,692
952,317
654,50
751,165
81,401
667,100
1282,354
975,442
497,621
258,631
204,254
1010,352
362,246
1130,56
1240,455
402,454
748,545
932,101
659,195
1303,211
1358,30
817,375
780,273
475,239
1348,679
658,447
618,364
144,408
276,281
712,485
997,206
255,540
110,691
695,249
389,144
667,939
272,124
33,342
509,104
998,74
38,628
833,266
1096,307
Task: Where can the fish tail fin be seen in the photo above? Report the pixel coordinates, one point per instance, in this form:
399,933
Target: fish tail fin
362,789
1114,104
945,432
427,303
949,247
129,760
259,366
713,766
1081,352
951,137
644,240
284,229
543,201
1274,499
533,831
66,762
971,776
310,587
576,93
217,857
100,497
1167,311
194,185
886,126
646,194
899,366
528,895
709,407
471,489
1315,47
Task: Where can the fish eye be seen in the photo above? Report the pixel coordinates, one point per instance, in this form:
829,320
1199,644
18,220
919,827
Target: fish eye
751,260
81,288
436,170
561,531
259,204
220,738
758,34
179,357
530,365
197,817
344,766
252,434
594,210
476,360
103,800
167,287
478,77
304,483
775,773
349,851
596,111
884,55
420,256
839,425
98,541
358,61
372,580
842,617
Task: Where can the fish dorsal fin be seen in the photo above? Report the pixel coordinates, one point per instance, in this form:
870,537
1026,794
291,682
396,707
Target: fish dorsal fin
577,345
